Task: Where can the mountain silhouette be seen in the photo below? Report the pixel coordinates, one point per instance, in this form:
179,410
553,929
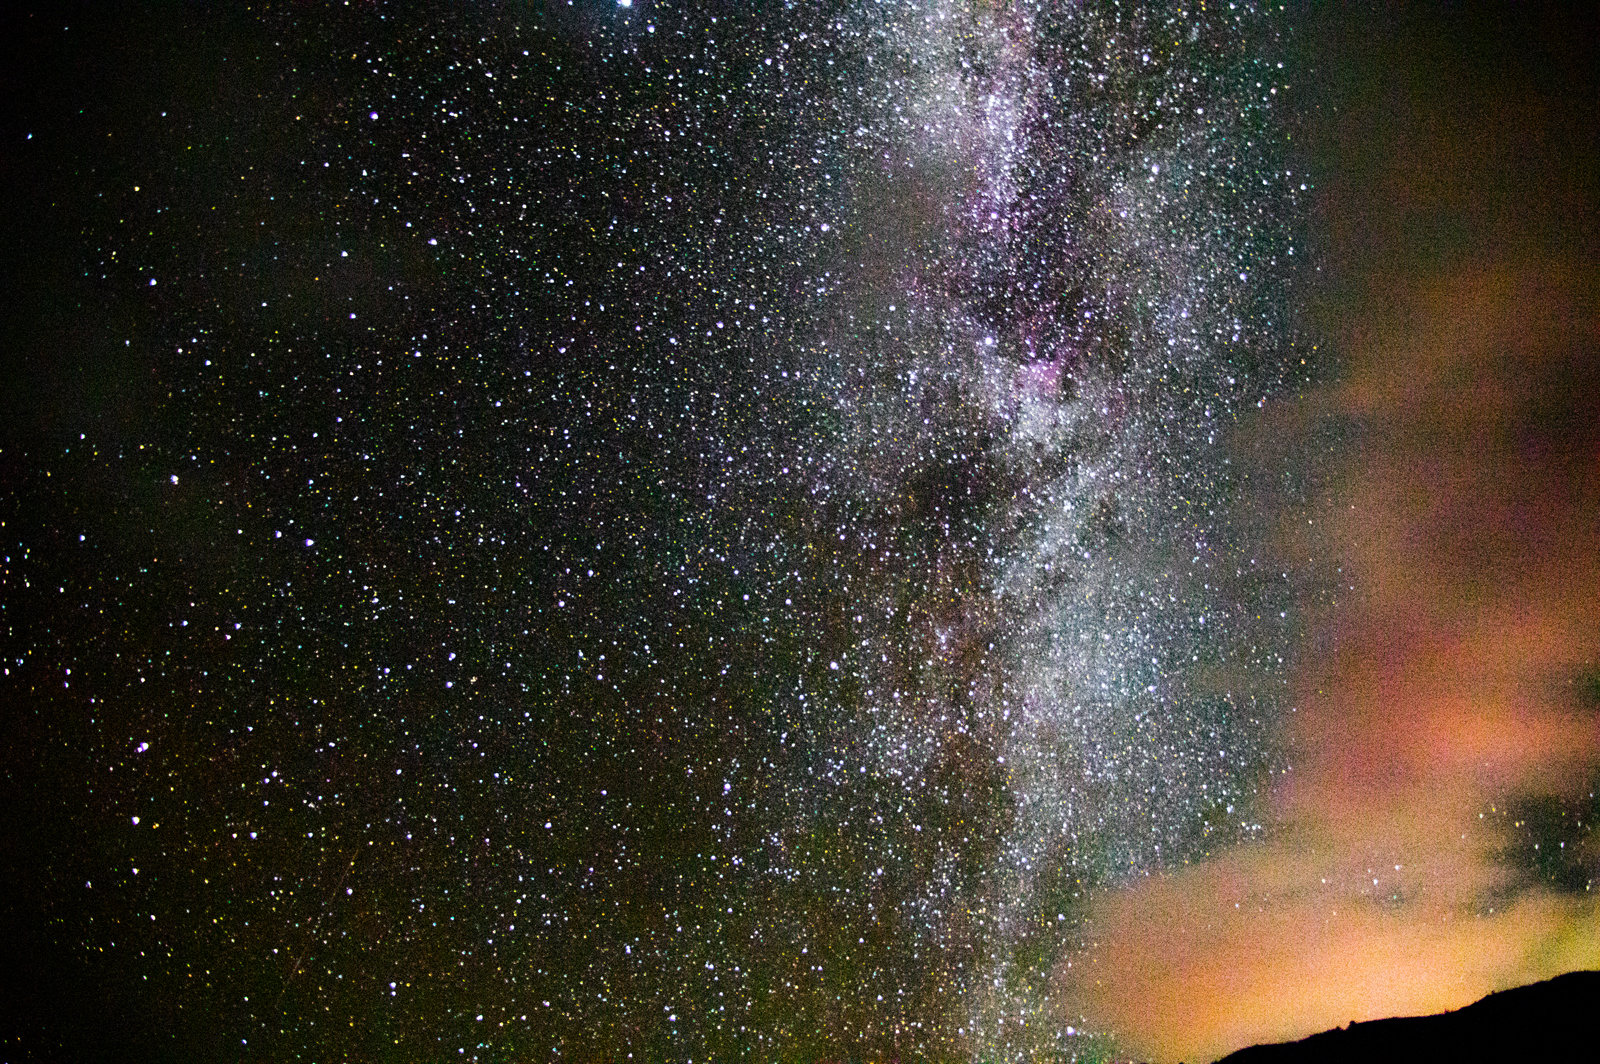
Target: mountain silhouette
1539,1021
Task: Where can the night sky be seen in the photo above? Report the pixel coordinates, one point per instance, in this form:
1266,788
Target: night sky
791,531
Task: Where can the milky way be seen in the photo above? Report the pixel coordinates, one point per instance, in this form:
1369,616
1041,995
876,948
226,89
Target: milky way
660,532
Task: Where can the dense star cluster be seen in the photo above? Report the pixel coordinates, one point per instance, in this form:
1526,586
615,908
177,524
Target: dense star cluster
647,531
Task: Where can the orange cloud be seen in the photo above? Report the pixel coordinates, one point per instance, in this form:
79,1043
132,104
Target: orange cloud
1460,666
1296,937
1468,525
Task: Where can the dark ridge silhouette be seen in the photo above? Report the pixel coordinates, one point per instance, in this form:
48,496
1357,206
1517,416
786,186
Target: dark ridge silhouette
1544,1021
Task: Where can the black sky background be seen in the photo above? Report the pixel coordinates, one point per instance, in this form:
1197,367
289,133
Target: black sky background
94,362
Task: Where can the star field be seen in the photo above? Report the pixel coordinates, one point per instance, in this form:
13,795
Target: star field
642,531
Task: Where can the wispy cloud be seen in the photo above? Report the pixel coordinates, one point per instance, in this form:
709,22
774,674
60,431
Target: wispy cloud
1431,842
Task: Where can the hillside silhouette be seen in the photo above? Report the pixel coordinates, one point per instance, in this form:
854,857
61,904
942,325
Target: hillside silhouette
1525,1023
